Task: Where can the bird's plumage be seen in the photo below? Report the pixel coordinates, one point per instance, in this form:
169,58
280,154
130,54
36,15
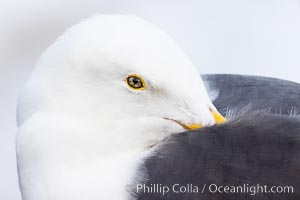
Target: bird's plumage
255,149
236,92
82,129
85,133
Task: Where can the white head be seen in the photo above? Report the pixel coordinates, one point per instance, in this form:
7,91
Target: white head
109,85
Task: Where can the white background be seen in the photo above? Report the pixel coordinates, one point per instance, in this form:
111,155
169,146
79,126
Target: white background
260,37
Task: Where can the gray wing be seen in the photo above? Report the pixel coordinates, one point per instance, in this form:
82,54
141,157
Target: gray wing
259,93
258,149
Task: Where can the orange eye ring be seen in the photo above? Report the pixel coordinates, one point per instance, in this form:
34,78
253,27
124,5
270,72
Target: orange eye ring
135,82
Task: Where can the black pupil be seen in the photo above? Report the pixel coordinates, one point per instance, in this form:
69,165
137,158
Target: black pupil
134,82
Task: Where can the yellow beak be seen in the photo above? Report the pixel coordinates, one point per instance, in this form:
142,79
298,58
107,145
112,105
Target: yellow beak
191,126
218,117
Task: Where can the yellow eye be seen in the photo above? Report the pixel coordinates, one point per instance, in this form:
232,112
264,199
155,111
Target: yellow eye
135,82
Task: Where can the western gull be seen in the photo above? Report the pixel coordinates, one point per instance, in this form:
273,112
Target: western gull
105,110
100,97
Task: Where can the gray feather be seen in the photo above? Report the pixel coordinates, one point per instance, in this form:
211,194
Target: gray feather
259,93
252,149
